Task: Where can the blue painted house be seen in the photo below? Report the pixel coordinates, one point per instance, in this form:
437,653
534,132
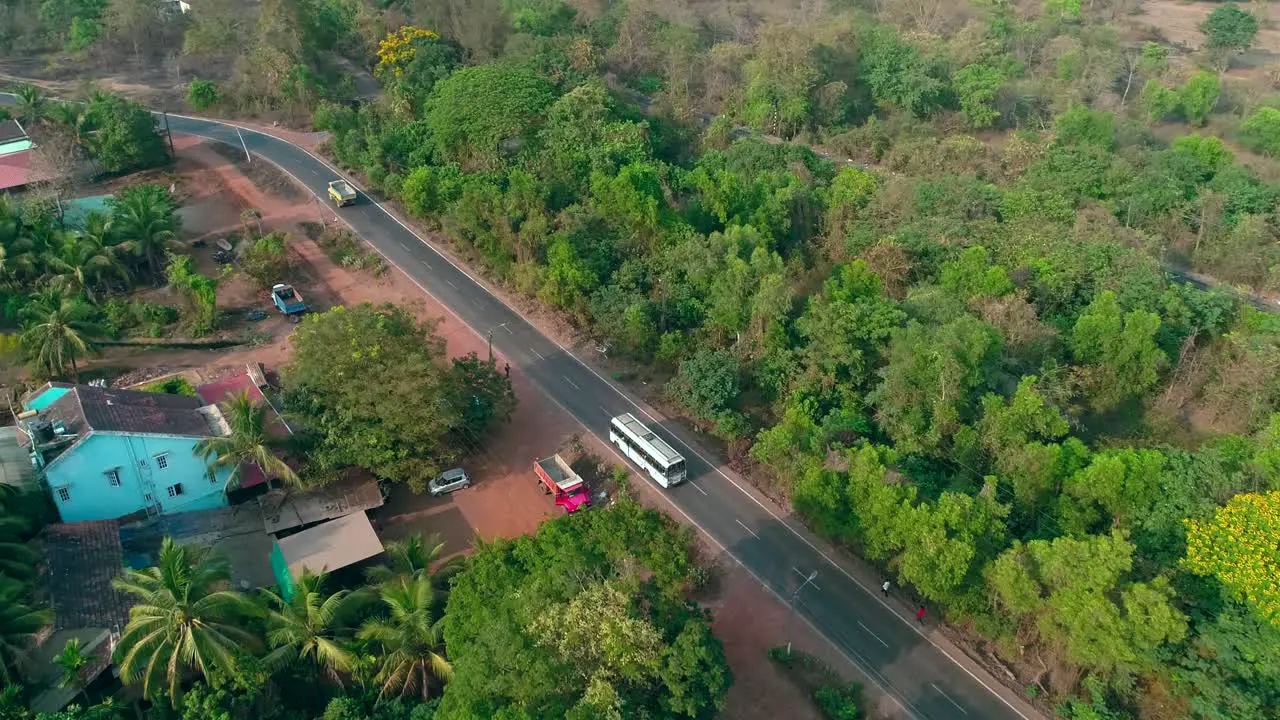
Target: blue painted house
108,453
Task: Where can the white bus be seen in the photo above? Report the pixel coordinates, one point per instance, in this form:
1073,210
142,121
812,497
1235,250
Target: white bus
637,442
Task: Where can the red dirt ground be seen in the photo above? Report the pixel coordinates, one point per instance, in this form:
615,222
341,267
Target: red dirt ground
505,501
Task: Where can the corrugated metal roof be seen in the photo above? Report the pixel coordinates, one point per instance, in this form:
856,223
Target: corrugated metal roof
330,546
15,461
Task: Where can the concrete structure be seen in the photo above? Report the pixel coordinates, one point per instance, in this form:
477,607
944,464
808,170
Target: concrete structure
234,533
283,511
15,462
324,548
107,454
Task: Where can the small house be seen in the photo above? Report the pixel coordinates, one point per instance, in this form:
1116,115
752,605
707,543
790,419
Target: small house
107,453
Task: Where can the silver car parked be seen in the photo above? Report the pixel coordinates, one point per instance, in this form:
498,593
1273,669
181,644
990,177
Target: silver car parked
448,481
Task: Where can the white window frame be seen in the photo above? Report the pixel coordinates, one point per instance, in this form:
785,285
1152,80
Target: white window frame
113,477
64,494
162,461
176,490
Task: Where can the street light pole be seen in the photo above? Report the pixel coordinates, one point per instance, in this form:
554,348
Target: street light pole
796,596
490,336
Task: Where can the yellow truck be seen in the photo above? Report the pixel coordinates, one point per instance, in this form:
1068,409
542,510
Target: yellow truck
342,193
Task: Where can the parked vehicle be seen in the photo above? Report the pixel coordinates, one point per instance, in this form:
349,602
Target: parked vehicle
288,301
560,481
448,481
342,193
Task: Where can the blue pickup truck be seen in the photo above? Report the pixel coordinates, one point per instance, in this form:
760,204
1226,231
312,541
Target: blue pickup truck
288,301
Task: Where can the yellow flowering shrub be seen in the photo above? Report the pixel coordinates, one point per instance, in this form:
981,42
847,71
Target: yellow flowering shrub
397,49
1240,546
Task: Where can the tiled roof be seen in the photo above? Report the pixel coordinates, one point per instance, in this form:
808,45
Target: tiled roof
15,169
10,130
81,560
129,411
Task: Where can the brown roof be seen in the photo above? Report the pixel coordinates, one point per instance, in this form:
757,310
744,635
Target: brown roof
355,493
129,411
81,560
10,130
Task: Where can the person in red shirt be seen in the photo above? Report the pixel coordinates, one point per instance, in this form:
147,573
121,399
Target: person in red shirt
920,615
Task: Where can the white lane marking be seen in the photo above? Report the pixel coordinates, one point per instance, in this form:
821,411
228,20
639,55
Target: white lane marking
404,247
605,410
868,631
948,697
696,486
455,287
572,383
508,329
805,577
744,527
424,262
862,662
535,352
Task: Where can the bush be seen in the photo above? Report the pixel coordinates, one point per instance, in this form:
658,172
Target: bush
203,94
835,699
1229,27
267,259
172,386
121,316
83,33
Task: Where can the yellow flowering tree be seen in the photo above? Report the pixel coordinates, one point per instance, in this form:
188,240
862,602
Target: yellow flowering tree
1240,546
398,48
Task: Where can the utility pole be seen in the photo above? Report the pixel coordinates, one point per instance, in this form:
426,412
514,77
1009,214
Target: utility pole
247,158
795,596
172,152
491,345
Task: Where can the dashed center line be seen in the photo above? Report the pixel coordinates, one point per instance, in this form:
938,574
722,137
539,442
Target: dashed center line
455,287
948,697
424,262
868,631
404,247
508,329
535,352
696,486
806,577
573,384
744,527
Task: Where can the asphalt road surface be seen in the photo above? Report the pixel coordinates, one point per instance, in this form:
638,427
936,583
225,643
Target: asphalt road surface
894,651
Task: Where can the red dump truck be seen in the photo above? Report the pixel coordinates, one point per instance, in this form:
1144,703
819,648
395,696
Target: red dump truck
561,482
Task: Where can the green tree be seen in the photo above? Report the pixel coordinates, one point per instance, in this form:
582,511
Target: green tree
202,94
82,34
415,555
1158,101
1229,27
142,217
83,261
1262,130
408,638
414,412
250,443
72,661
199,293
19,623
1198,96
308,628
474,111
126,136
1120,350
57,329
977,87
707,384
928,386
1074,593
186,621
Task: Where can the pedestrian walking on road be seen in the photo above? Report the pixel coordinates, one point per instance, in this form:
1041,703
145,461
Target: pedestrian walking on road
506,368
920,615
885,588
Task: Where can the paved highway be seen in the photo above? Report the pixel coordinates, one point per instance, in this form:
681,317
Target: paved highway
892,650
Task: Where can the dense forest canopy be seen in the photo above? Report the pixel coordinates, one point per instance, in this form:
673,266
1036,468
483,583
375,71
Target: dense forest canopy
920,264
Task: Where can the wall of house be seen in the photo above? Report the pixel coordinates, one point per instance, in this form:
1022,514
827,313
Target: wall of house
82,471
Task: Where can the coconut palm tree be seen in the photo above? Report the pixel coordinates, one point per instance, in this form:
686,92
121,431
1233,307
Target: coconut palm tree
72,661
19,623
308,627
414,555
58,329
407,638
249,442
32,104
187,621
145,223
83,261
